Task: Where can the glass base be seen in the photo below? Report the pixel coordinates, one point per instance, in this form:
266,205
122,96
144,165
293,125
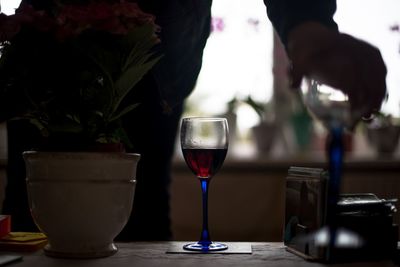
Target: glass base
205,247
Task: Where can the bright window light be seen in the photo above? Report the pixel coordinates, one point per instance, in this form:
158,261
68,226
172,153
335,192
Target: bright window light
371,20
8,6
237,60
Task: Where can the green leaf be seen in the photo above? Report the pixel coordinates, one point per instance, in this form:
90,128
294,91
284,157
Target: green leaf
257,106
66,127
74,118
108,139
42,128
130,78
124,111
139,61
141,40
123,136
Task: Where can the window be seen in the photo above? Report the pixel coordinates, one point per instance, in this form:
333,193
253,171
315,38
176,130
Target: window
237,59
8,6
371,21
238,56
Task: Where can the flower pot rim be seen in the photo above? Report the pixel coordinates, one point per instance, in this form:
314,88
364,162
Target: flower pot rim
89,154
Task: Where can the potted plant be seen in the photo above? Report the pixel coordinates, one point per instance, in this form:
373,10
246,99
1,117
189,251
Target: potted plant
264,132
302,124
383,133
232,107
68,70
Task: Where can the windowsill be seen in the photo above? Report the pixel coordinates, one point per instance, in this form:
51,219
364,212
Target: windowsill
244,157
267,163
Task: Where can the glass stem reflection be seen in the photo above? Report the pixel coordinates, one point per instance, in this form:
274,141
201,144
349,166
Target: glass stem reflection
205,239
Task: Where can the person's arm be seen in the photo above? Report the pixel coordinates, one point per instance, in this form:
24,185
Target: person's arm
317,50
287,14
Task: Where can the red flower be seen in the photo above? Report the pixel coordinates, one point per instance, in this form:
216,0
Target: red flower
25,15
71,20
8,28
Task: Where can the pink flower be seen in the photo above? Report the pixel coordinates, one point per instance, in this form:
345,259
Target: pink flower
395,27
217,24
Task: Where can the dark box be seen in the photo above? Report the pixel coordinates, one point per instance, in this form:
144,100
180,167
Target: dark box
363,229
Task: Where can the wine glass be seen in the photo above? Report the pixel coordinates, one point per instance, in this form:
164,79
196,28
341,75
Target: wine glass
204,143
327,104
331,107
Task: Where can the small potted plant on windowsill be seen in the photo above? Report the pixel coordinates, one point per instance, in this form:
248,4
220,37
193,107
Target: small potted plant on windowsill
231,113
264,132
68,69
383,134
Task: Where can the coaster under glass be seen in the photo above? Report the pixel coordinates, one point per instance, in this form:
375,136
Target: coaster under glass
209,246
176,247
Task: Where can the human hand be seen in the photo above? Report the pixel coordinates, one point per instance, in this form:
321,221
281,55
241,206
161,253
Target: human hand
341,61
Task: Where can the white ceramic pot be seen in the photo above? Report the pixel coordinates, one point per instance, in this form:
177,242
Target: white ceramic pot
81,201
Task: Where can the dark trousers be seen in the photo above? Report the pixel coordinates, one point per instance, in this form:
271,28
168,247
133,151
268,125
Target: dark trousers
22,136
152,131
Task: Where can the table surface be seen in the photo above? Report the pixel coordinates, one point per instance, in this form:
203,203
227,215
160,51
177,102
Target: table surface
146,254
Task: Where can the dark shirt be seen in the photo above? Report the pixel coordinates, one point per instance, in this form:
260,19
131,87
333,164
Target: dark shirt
285,14
185,27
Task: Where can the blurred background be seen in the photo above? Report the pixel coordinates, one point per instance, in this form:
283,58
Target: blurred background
244,60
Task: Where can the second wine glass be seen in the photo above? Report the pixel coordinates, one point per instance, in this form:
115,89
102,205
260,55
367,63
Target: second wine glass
331,107
204,143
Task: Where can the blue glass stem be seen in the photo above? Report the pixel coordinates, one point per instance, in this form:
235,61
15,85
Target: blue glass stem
336,152
205,239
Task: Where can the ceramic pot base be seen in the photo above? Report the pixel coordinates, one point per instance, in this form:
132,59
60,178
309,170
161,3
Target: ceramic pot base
110,250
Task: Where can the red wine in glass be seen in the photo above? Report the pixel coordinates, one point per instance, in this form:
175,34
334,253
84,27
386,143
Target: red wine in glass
204,144
204,162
